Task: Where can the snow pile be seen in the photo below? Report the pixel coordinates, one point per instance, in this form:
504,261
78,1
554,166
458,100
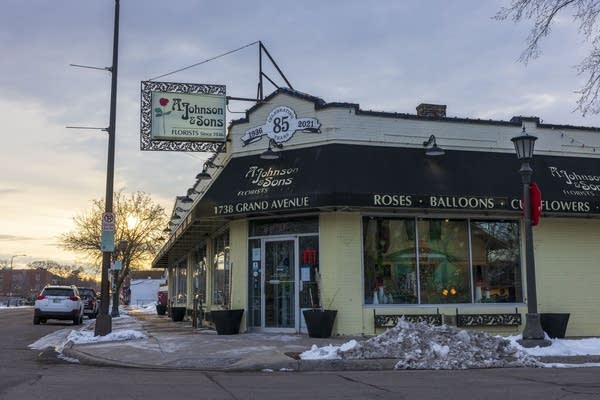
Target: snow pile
85,336
423,346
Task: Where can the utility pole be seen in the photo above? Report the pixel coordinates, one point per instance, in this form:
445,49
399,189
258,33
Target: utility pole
104,320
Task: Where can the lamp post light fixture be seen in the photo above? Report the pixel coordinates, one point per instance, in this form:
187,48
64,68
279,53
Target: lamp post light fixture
434,150
269,154
10,283
533,334
13,257
204,174
191,191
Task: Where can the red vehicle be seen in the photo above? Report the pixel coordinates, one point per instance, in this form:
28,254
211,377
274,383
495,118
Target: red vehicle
162,300
91,302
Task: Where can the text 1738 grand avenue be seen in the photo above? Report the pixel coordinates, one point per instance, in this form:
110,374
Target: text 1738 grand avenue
262,205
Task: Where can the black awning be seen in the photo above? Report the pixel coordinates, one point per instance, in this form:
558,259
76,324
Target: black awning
340,175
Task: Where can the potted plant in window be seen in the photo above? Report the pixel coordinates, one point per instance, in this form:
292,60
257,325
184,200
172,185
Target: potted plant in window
319,321
227,321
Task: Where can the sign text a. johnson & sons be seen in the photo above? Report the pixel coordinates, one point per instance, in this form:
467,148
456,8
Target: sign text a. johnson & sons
178,116
182,112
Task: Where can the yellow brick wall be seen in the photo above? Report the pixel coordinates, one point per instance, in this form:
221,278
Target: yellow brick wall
238,243
341,269
567,261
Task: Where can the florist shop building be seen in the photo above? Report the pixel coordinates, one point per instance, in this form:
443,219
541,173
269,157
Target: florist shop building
375,214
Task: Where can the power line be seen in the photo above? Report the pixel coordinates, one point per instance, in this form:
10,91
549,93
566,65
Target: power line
204,62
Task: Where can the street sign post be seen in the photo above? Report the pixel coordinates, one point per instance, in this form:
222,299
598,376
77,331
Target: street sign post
107,239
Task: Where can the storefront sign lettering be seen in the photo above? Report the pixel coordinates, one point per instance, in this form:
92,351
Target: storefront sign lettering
557,206
579,184
281,124
474,203
262,205
185,116
262,177
459,202
392,200
479,203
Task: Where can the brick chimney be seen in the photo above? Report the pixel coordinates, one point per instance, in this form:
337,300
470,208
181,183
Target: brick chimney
431,110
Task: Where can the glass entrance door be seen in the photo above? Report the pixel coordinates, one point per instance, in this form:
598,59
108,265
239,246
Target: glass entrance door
280,291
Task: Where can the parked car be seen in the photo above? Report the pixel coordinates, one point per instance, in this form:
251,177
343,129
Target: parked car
162,300
58,302
91,301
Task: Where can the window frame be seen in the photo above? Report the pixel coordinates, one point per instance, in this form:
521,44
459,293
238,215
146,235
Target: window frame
517,282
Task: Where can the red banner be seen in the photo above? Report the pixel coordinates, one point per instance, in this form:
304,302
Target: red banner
535,195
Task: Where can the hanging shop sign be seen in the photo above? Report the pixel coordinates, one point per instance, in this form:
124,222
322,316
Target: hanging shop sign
281,124
183,116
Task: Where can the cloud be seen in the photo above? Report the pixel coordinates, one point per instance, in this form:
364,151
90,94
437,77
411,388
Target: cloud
11,238
7,191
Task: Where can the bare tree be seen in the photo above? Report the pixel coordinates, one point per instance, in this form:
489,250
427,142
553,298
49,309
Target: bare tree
66,274
543,13
55,268
139,222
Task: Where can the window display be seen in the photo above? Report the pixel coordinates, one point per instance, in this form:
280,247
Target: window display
441,261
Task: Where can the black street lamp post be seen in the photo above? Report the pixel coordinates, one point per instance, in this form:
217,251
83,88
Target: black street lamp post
119,251
533,334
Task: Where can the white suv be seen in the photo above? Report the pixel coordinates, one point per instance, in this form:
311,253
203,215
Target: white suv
58,302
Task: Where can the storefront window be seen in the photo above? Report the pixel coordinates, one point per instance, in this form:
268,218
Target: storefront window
440,261
496,271
181,284
390,265
309,270
200,275
221,270
444,261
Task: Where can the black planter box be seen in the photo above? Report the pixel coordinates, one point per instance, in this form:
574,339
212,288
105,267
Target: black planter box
177,313
161,309
554,324
319,323
227,322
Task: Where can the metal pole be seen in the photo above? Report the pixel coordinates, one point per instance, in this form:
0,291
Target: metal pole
104,321
115,296
533,334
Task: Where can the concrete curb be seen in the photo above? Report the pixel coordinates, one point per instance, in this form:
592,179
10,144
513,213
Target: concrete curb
291,365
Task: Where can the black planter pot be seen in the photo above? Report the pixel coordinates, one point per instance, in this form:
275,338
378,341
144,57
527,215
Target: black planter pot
319,323
161,309
177,313
227,322
554,324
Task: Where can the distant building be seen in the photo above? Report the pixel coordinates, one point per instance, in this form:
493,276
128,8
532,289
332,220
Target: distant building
141,287
24,283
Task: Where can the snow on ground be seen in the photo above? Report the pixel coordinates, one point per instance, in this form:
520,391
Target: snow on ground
414,346
423,346
60,338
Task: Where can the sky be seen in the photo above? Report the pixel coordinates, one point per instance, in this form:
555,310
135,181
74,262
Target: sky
414,346
386,56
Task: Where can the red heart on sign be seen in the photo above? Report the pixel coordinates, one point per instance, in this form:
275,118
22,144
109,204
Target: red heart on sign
163,102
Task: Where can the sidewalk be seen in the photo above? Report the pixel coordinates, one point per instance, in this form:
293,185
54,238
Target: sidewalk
177,345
